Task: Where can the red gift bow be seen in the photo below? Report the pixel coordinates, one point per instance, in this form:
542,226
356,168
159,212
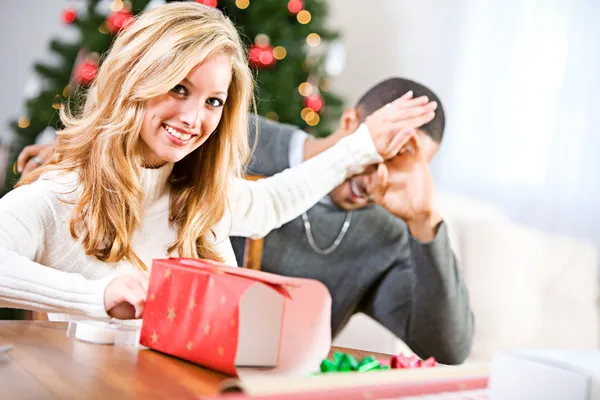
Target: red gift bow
402,361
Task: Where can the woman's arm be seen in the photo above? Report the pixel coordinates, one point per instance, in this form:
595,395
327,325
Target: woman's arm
26,217
261,206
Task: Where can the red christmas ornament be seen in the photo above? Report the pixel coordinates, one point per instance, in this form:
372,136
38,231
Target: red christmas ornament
85,72
314,102
261,56
295,6
119,20
69,15
210,3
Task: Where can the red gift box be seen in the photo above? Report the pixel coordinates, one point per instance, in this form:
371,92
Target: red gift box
226,317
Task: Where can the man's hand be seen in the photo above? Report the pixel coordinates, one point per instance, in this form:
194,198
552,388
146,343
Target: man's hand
393,125
34,156
125,296
406,189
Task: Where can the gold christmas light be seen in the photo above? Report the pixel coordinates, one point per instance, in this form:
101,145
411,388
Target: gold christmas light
312,119
242,4
305,111
67,91
313,40
103,29
279,52
116,5
305,89
325,84
303,17
272,115
23,122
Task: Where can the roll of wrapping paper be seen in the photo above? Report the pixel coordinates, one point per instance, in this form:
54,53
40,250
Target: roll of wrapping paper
381,384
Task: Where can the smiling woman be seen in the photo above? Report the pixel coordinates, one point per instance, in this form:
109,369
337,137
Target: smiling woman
151,167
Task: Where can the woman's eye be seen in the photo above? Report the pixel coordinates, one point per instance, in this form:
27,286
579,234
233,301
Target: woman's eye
215,102
180,90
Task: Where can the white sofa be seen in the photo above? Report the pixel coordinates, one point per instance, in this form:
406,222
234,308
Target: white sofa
528,289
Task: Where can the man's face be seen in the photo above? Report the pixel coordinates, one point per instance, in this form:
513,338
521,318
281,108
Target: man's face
354,193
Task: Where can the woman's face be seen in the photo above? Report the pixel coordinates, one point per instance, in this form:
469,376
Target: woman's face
178,122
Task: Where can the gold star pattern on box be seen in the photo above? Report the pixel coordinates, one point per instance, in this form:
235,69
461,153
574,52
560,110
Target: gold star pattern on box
171,315
167,273
189,346
154,337
206,329
192,303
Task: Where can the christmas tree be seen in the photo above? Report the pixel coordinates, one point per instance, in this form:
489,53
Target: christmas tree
287,42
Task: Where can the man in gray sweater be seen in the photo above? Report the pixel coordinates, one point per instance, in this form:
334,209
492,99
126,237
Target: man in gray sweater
385,253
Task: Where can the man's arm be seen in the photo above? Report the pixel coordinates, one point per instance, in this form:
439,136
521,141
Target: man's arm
426,305
271,152
282,146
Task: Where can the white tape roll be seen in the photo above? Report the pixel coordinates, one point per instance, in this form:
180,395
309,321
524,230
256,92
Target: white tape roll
94,333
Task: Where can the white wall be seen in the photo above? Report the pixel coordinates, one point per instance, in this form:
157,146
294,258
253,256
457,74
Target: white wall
396,38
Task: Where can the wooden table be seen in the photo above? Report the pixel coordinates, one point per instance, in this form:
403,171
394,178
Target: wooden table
45,364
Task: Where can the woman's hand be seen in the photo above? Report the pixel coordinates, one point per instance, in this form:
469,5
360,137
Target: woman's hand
393,125
125,296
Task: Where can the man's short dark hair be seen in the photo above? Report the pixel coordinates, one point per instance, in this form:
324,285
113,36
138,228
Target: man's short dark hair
392,88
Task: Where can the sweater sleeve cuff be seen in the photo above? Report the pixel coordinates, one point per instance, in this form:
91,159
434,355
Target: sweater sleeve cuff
97,289
296,151
361,149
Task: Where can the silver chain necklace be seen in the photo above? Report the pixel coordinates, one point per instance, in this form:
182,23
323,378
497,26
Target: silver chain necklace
335,243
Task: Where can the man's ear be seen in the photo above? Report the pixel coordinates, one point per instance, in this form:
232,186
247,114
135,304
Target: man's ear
350,121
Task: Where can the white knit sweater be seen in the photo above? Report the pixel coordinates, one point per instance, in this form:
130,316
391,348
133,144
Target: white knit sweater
43,268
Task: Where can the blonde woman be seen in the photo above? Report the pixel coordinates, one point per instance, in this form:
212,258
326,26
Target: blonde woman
151,168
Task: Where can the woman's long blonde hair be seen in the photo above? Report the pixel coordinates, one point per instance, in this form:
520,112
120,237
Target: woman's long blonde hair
102,144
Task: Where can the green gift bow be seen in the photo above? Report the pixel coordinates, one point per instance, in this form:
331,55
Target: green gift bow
342,362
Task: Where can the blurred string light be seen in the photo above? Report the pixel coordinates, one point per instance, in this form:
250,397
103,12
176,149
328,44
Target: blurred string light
210,3
242,4
305,89
103,28
294,6
266,57
116,5
279,52
67,91
262,40
325,84
303,17
23,122
309,63
272,115
56,102
314,102
312,118
305,112
313,40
